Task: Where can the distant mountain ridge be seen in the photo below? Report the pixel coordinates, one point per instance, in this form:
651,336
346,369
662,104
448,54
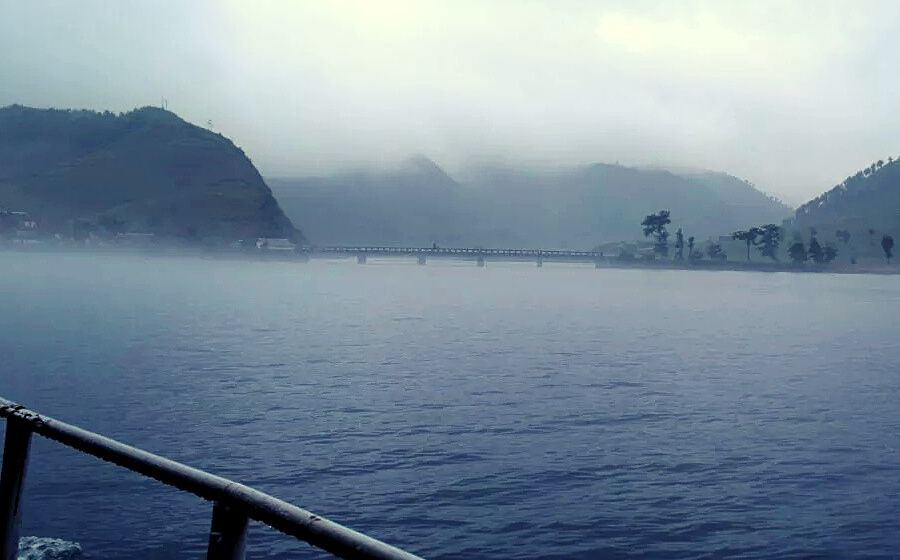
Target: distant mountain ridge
868,199
146,171
418,203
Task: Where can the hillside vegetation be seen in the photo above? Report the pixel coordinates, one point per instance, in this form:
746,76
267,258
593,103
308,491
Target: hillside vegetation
143,171
869,199
418,203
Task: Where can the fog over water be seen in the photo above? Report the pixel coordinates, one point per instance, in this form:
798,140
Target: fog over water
170,276
792,96
504,412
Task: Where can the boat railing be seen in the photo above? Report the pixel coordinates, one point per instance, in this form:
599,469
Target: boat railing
234,504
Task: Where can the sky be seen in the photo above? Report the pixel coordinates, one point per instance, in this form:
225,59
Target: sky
793,96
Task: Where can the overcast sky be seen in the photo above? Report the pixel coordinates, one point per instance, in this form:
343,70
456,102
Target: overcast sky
792,95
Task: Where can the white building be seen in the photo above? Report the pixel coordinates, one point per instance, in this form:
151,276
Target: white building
274,244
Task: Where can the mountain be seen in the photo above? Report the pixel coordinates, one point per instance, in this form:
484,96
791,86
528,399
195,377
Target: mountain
576,207
867,200
414,203
143,171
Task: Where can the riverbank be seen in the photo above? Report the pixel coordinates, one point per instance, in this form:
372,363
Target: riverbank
304,254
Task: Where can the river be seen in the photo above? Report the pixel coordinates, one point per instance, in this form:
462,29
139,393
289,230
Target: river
458,412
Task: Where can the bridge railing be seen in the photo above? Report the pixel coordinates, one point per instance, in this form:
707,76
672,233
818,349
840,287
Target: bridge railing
233,504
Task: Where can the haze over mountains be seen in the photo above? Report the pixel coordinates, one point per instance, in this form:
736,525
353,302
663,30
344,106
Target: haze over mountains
143,171
418,203
150,171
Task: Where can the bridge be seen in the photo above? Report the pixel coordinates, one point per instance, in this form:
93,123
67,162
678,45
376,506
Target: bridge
234,504
479,255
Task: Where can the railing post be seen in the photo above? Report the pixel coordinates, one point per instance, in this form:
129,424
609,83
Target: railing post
228,534
12,477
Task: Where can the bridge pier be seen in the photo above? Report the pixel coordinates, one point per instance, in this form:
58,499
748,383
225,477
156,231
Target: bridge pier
420,259
361,258
480,261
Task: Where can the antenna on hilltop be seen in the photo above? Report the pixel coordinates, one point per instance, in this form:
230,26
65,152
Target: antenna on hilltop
164,104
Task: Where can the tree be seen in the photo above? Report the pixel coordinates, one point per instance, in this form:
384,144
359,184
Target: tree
887,245
715,252
655,226
679,245
816,253
843,235
866,172
797,252
879,163
770,237
691,254
830,252
748,236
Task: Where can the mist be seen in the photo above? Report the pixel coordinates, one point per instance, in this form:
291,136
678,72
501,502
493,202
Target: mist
449,279
792,97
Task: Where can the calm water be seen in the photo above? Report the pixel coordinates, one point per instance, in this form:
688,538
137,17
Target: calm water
505,412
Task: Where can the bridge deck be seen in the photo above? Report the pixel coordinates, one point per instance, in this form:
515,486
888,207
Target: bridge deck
452,252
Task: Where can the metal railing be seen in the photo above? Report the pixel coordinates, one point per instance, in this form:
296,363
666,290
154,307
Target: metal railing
233,504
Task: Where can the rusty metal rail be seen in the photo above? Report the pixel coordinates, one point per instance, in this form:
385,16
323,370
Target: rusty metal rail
234,503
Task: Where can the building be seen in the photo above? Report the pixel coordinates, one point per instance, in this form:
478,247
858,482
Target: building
275,244
16,221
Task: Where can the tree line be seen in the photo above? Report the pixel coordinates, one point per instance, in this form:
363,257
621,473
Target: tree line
766,239
655,227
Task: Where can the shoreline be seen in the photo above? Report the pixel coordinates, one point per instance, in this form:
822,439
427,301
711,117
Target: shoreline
305,255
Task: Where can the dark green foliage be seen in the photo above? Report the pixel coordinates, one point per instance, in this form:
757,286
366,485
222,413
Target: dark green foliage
691,255
679,245
715,252
769,239
747,236
797,252
887,245
143,171
830,252
816,253
869,198
655,227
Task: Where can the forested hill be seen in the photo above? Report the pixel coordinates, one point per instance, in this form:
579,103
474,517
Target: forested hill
144,171
867,200
418,203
